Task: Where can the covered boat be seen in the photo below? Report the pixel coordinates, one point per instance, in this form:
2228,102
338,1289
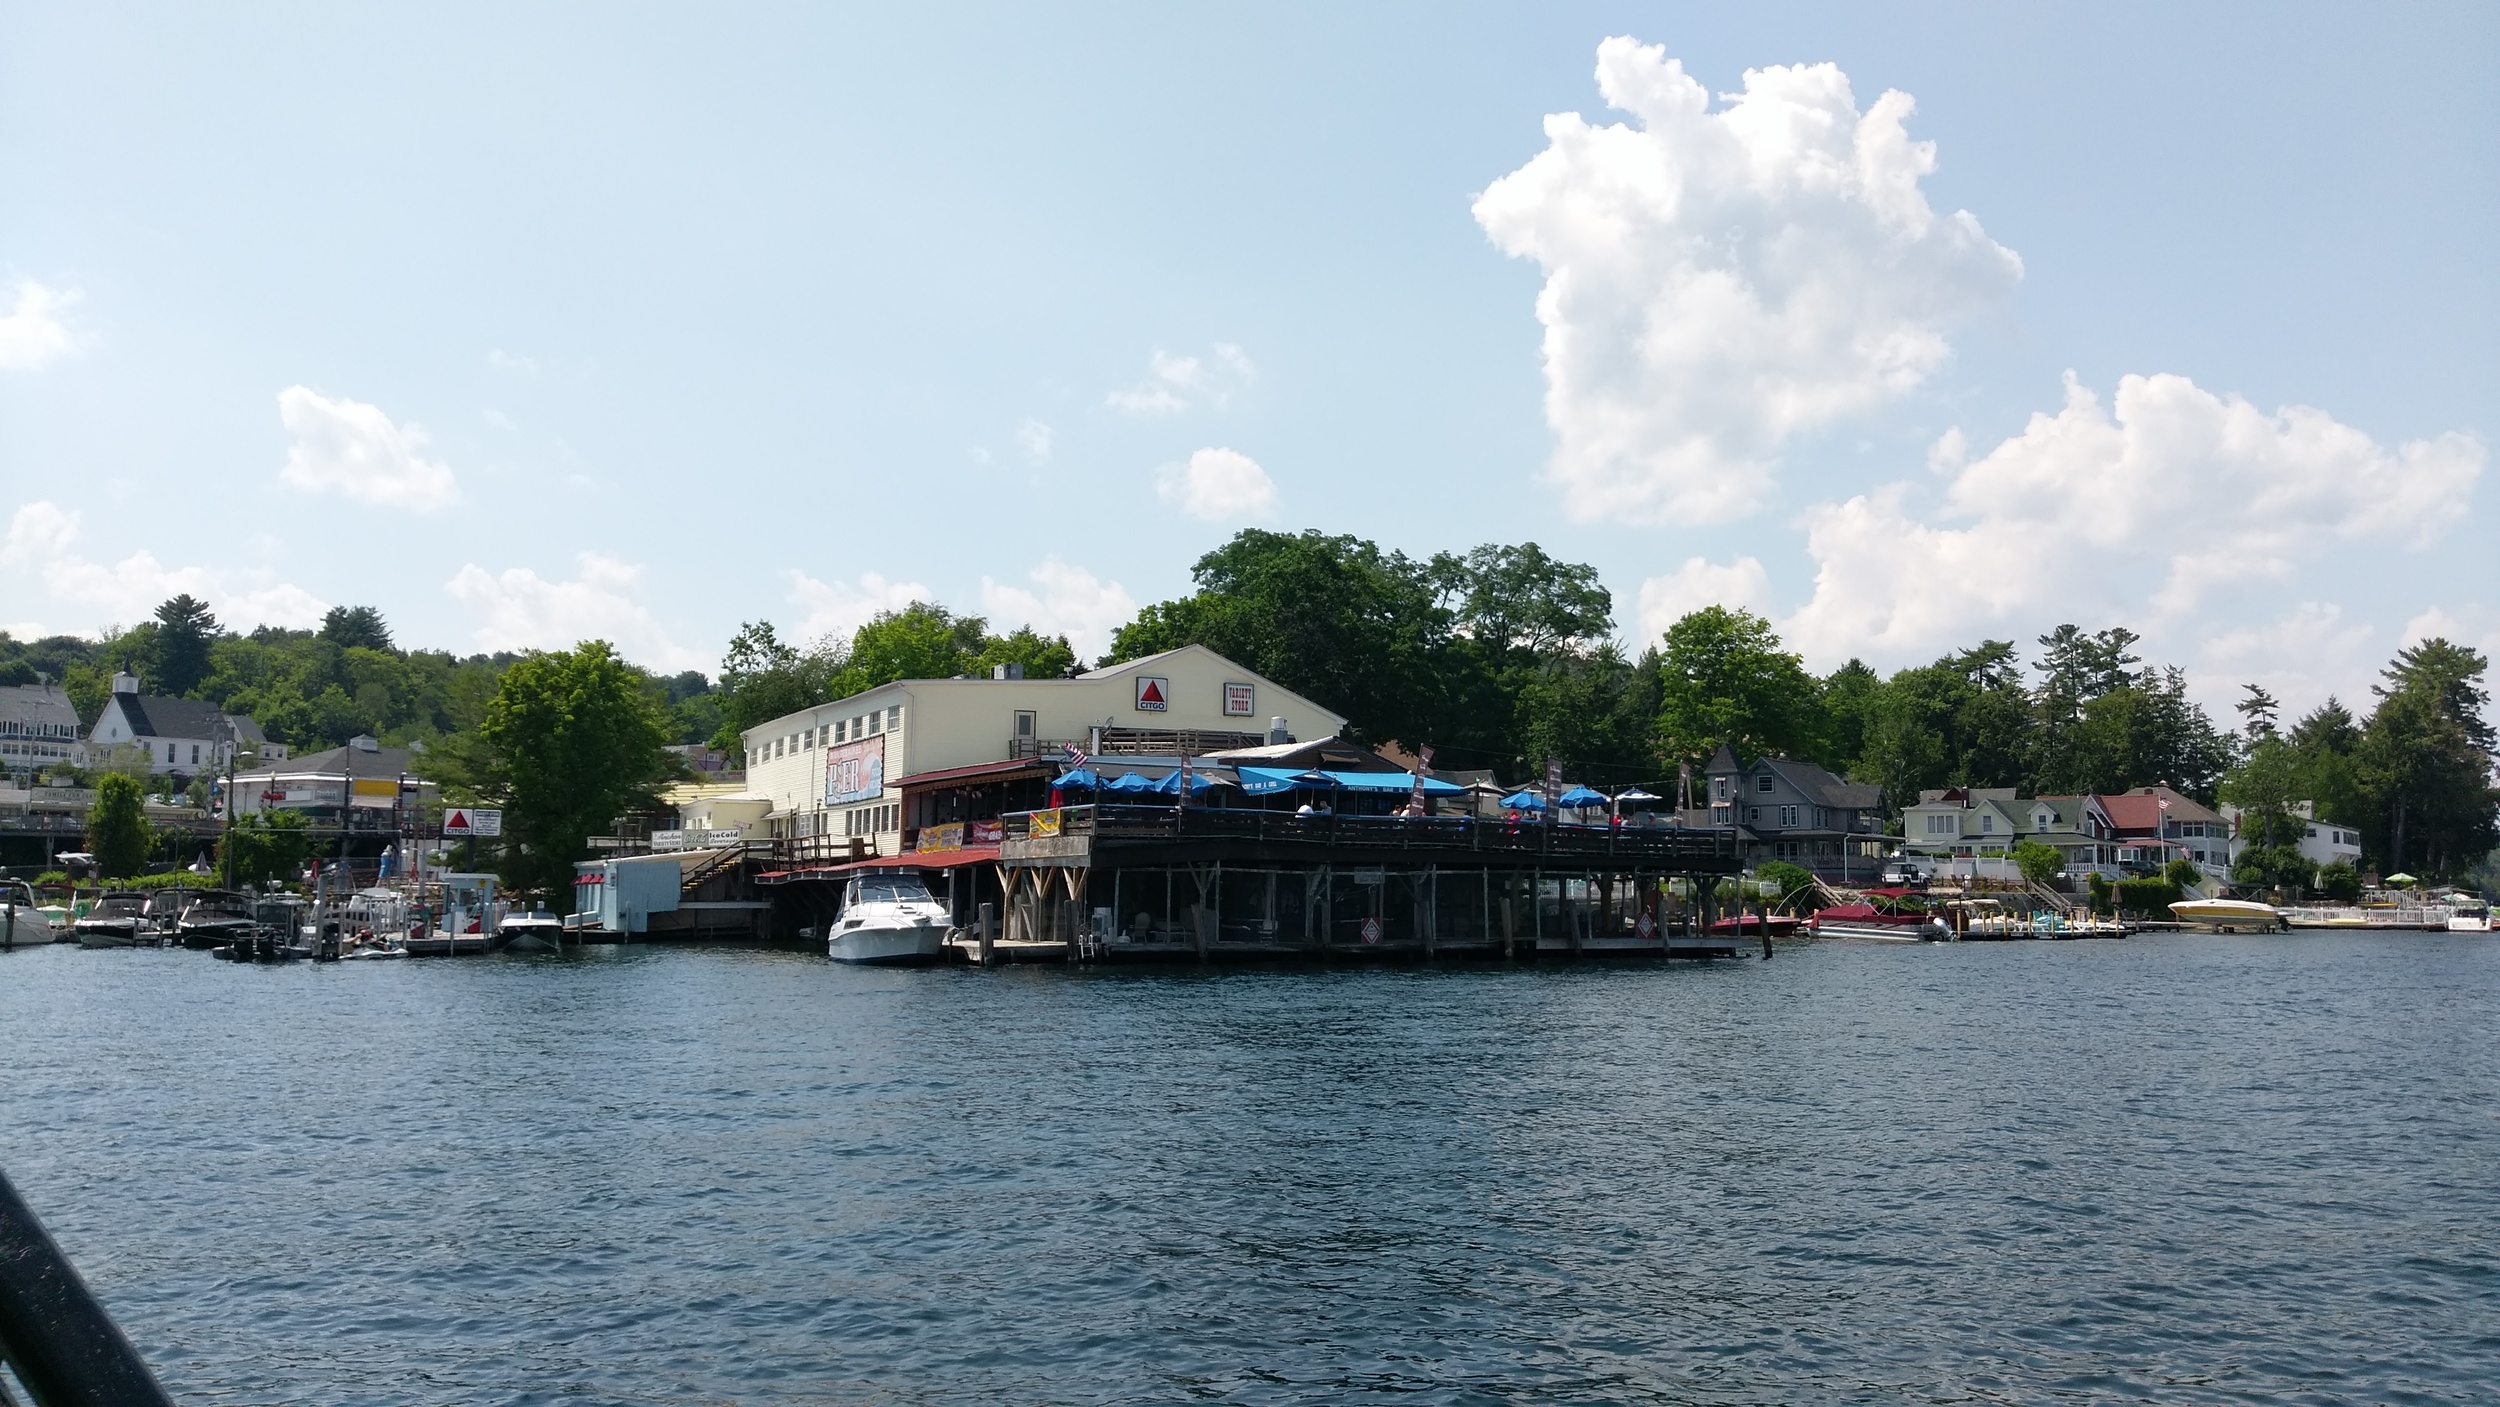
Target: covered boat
889,919
118,920
1899,912
213,918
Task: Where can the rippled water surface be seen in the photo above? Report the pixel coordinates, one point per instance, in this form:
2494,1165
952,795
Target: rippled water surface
2183,1169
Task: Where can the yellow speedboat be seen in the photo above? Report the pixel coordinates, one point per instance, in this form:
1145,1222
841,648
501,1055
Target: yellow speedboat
2229,915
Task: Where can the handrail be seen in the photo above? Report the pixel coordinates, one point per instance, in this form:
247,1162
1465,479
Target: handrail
54,1334
1564,843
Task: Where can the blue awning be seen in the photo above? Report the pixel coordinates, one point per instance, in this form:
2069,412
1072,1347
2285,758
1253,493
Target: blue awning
1264,781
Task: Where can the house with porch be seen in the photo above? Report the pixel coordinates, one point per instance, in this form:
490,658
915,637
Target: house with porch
2156,825
1950,823
1784,809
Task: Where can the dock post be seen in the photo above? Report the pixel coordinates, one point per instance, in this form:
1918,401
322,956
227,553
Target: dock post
1510,921
1427,909
986,926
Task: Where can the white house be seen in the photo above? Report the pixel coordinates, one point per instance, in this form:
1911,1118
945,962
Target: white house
836,769
2321,842
184,737
38,729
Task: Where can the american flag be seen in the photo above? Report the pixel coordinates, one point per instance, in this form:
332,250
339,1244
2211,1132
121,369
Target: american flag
1076,755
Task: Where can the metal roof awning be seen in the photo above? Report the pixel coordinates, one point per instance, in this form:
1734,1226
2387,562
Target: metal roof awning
985,772
910,860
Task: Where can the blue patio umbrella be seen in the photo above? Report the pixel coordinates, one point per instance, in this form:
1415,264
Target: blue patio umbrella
1582,796
1171,783
1130,784
1524,801
1082,778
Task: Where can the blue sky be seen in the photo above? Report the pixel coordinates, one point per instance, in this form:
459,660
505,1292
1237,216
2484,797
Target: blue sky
644,322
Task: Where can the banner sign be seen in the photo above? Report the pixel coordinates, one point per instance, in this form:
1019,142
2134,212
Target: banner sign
855,771
1154,694
1044,825
949,836
1240,700
986,832
1423,769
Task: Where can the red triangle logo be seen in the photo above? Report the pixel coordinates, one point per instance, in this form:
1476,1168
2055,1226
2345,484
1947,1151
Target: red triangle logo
456,821
1153,694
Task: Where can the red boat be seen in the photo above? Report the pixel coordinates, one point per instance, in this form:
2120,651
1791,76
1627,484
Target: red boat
1882,908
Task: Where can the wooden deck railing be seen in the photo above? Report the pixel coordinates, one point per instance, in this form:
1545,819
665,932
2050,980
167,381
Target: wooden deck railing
1707,848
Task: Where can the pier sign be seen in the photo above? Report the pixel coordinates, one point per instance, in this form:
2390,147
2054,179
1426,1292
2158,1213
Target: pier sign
1154,694
855,772
485,823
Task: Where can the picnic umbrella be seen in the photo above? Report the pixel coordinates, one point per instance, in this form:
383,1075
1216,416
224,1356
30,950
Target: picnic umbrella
2401,881
1170,785
1082,778
1581,796
1524,800
1130,784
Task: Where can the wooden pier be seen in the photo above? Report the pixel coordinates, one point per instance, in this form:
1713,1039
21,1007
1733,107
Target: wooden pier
1165,883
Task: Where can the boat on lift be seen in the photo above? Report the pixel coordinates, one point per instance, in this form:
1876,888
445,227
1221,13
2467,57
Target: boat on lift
2230,915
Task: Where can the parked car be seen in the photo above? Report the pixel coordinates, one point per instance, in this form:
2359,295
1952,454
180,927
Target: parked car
1902,872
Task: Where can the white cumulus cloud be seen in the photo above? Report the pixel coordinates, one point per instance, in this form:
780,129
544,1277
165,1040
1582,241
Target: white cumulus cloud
1718,282
836,608
521,610
351,448
41,550
1174,382
1740,585
35,332
1219,486
2168,508
1063,600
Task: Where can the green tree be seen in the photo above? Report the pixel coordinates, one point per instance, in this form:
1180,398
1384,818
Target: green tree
264,846
118,832
572,740
763,679
2039,863
1042,656
920,641
184,632
2323,744
2274,867
1725,680
1849,694
1791,879
2424,761
356,627
2266,788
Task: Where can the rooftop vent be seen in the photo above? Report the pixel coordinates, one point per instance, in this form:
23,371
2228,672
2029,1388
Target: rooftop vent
364,743
1006,671
1276,731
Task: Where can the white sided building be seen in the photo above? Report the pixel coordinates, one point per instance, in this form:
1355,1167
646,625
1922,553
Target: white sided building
836,769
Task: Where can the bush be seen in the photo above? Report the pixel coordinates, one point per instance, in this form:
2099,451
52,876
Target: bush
2039,863
2339,882
1791,879
2098,887
2183,872
2274,867
2147,896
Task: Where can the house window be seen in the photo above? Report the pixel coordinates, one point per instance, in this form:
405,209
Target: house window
1763,783
1987,825
1026,724
894,718
195,754
1753,815
1718,788
1788,816
1943,825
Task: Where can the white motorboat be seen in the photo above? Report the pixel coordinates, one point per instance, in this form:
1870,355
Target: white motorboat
2467,914
2229,915
889,919
537,931
23,922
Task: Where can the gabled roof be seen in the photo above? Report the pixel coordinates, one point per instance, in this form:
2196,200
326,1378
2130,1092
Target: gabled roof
1823,787
1114,671
152,716
37,703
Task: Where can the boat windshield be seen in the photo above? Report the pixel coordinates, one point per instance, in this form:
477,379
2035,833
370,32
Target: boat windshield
893,889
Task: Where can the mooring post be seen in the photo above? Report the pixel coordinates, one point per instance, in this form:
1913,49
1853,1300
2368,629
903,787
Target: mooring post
986,926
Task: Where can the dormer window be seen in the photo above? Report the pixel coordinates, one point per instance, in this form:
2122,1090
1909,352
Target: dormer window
1763,784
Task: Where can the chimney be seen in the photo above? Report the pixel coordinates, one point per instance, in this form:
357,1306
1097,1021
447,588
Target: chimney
1006,671
125,682
1276,731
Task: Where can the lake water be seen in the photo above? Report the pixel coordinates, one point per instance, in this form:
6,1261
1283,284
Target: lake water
2185,1169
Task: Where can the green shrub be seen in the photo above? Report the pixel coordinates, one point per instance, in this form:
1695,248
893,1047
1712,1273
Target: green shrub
2098,887
2147,896
2339,882
2182,872
2275,867
2039,863
1791,879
